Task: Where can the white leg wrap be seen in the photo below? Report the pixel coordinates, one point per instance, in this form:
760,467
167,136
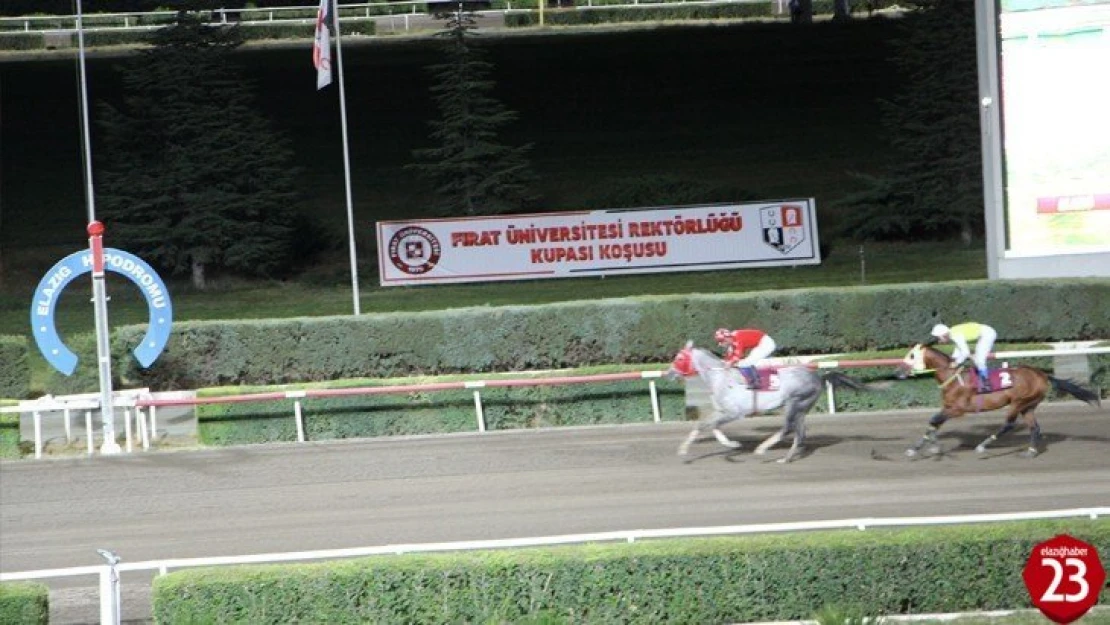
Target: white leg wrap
769,443
724,440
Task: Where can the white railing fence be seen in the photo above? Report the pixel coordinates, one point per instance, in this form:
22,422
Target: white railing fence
110,579
140,405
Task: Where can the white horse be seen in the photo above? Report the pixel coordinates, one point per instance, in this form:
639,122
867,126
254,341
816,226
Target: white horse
797,390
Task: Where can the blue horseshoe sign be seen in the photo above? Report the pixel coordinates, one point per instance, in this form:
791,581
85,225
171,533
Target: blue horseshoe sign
78,263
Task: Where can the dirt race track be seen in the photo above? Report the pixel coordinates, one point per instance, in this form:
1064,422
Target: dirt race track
294,497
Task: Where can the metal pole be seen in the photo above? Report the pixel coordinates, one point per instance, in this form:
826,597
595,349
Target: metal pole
346,159
85,115
96,230
103,350
109,589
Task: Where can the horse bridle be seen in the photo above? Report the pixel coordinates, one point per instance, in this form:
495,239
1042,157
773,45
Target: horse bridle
955,375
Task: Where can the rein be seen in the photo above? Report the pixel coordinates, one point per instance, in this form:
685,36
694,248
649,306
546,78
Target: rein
952,377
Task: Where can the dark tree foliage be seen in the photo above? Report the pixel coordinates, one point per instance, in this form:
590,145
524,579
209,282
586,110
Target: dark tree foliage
934,190
195,180
472,172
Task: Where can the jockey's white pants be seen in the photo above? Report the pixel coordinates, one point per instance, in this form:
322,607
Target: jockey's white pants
764,349
983,348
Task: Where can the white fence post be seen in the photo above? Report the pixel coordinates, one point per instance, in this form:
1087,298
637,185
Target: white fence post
126,426
38,434
299,418
89,431
831,397
69,426
144,434
478,403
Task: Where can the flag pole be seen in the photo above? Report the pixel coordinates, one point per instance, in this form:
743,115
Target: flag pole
346,158
100,297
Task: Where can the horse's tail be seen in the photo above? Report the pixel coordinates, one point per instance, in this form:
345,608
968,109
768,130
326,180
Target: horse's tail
839,379
1076,391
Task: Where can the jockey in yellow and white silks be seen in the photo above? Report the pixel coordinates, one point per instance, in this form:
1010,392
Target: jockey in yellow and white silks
961,335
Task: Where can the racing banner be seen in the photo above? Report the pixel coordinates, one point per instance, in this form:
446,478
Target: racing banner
596,243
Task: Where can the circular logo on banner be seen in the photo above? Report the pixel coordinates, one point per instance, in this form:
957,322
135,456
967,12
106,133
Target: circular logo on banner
1064,576
414,250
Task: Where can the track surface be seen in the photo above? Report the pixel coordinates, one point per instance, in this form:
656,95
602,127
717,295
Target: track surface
290,497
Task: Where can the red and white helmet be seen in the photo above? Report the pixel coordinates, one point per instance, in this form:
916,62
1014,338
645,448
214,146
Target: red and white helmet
723,335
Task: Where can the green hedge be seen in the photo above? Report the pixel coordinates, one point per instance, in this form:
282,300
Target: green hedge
24,603
618,331
436,412
86,377
17,41
716,580
15,367
9,434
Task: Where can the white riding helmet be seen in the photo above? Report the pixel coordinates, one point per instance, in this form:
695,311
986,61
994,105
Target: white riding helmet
939,330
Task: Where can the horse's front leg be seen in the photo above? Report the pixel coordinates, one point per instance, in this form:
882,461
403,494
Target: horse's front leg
930,436
710,422
684,448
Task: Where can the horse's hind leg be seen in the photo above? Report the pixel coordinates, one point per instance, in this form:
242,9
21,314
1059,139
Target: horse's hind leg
787,426
1034,433
799,438
724,440
1007,426
773,439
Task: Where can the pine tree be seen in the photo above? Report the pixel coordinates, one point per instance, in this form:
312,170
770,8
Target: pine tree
196,181
934,190
472,172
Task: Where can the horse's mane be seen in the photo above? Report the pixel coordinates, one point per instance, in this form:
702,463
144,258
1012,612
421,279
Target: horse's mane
709,355
929,348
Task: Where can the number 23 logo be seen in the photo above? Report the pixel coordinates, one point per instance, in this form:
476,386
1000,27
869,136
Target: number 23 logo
1079,577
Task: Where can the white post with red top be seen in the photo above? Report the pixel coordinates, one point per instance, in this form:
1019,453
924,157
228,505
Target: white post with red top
103,349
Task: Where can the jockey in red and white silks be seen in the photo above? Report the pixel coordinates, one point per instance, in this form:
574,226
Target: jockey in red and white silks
961,335
739,342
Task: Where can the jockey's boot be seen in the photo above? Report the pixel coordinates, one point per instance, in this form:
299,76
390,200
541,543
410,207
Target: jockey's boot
751,375
984,381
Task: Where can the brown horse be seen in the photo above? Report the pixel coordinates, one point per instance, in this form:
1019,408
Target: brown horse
1022,388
